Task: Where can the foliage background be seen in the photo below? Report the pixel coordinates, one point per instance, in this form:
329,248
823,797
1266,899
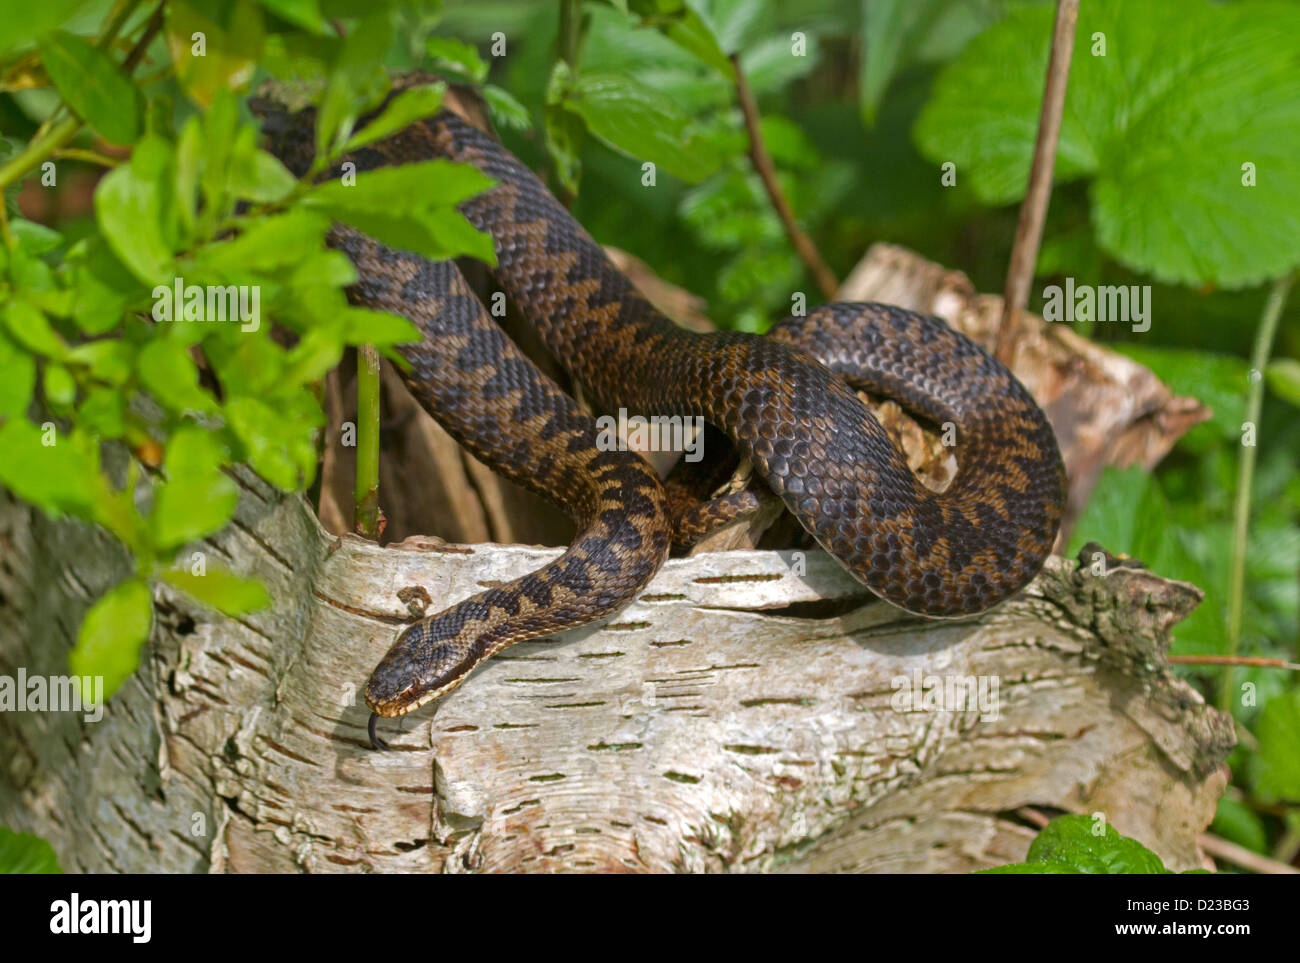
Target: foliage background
159,175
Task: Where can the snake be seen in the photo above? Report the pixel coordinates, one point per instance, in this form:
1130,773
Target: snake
786,401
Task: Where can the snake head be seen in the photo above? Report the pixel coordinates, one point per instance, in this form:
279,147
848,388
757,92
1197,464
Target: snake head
421,665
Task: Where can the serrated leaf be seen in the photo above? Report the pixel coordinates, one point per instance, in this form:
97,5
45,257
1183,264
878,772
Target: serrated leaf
224,591
93,86
1275,768
1186,96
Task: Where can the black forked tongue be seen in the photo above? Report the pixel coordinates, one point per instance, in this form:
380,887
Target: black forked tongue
375,741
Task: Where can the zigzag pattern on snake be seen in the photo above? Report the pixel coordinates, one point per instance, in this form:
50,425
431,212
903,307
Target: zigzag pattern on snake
785,401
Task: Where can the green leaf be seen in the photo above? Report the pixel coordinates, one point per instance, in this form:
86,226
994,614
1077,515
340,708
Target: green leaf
24,22
428,224
258,176
301,13
103,412
1283,376
357,83
109,641
30,328
402,111
198,498
638,120
1187,95
1275,768
165,368
102,286
26,854
60,388
505,110
93,86
277,445
222,590
460,56
18,381
1070,844
1217,380
133,205
232,38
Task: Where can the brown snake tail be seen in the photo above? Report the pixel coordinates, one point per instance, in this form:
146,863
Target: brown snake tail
786,401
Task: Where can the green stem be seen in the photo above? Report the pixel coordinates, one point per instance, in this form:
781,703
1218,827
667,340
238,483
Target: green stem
570,31
1246,476
366,490
38,151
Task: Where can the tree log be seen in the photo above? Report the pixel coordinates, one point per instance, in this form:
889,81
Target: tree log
741,715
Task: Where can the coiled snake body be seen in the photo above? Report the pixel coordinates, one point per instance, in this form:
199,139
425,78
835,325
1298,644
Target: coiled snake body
786,402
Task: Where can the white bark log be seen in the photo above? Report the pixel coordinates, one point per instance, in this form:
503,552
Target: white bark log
697,730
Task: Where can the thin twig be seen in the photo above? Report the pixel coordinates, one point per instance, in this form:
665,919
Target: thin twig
150,31
1246,475
1234,660
762,162
1033,210
1241,856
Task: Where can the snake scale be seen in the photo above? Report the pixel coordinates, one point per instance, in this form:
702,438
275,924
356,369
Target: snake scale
785,401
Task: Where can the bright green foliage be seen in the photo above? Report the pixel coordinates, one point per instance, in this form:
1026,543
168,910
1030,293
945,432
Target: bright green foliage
24,853
153,327
1081,844
1184,114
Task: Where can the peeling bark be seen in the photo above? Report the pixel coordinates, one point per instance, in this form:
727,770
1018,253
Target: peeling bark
736,717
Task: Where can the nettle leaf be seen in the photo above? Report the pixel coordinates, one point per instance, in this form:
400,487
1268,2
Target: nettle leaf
1071,844
224,591
93,86
402,111
198,498
1217,380
1275,768
639,121
1191,104
133,205
111,634
23,853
